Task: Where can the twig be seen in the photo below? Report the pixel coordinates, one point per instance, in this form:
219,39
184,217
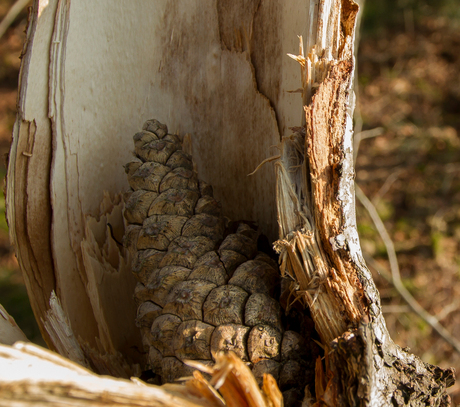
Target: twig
13,12
267,160
453,306
386,186
361,135
396,276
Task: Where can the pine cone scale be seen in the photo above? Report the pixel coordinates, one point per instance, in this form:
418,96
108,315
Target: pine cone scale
201,290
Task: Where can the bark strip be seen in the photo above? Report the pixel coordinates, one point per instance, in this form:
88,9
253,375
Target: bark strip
319,245
310,216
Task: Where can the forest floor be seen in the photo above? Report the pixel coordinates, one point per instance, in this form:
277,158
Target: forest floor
409,93
409,166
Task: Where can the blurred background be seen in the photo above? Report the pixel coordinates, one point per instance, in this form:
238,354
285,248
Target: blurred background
408,165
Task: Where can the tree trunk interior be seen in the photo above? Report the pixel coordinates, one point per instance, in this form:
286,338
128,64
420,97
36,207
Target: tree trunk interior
218,73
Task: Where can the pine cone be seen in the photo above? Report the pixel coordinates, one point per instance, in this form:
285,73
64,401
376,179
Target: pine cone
203,287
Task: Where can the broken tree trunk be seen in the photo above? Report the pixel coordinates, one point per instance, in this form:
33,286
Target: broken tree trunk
319,245
93,71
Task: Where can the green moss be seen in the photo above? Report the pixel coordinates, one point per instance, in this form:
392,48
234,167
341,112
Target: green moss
3,224
436,243
365,229
385,209
423,327
410,286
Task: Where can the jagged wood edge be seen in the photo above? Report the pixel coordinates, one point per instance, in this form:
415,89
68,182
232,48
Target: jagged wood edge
31,375
316,211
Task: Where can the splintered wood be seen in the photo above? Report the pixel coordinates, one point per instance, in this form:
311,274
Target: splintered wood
310,216
321,279
319,246
33,376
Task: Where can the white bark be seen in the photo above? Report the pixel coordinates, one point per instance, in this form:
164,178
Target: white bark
32,376
92,72
9,329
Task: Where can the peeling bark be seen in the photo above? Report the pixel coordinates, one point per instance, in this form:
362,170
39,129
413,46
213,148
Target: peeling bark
319,245
92,71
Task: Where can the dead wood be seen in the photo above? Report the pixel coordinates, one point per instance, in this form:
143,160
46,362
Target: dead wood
33,376
319,245
229,87
9,329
